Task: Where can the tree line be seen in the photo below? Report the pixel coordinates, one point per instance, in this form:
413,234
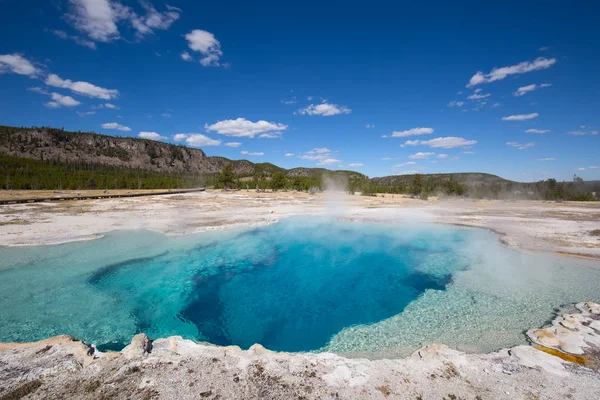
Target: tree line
26,174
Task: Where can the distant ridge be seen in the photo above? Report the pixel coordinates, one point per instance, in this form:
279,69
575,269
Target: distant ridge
51,144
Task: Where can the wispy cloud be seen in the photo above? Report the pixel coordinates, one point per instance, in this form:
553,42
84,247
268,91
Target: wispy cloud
497,74
523,90
520,117
114,125
521,146
78,40
413,132
449,142
547,159
233,144
537,130
421,155
329,161
404,164
252,154
322,155
82,88
324,109
356,165
477,96
456,103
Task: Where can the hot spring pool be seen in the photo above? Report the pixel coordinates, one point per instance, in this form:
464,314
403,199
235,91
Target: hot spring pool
304,284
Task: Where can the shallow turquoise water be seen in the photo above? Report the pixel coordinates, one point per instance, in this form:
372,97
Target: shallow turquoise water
300,285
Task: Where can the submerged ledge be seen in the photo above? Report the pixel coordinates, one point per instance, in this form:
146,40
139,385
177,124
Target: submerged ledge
562,362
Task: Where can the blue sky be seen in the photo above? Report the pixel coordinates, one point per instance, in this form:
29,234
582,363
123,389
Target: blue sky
388,88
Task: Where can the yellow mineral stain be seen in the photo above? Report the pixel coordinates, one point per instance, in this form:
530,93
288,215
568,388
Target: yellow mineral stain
581,360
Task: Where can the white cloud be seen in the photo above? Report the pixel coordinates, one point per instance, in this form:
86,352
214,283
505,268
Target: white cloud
324,109
421,155
546,159
521,146
369,126
289,154
442,156
249,153
524,90
269,135
241,127
404,164
356,165
545,85
449,142
456,103
594,133
594,167
185,56
153,19
60,100
17,65
207,45
537,131
292,101
233,144
389,158
329,161
577,133
581,169
109,105
80,41
151,136
321,154
319,150
468,152
83,88
497,74
85,113
98,18
520,117
165,115
413,132
196,139
477,96
114,125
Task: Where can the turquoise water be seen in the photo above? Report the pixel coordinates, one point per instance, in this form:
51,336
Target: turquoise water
300,285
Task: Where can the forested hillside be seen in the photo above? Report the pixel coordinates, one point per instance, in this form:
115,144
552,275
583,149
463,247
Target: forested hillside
48,158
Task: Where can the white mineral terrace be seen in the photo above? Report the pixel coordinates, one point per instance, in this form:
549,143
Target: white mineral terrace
562,362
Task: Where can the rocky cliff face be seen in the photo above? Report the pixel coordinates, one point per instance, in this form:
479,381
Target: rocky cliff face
74,147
